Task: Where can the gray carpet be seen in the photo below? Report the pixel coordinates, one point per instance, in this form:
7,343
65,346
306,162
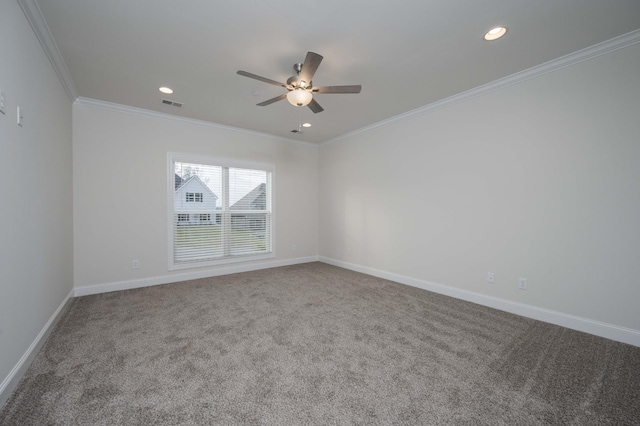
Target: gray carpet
316,344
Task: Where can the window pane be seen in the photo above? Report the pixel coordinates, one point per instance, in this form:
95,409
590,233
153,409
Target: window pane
247,189
248,233
196,236
220,212
194,241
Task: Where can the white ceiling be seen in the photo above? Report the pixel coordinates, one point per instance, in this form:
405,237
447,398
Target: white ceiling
405,53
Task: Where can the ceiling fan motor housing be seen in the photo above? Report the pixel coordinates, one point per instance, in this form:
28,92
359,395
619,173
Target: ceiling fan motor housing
300,87
294,82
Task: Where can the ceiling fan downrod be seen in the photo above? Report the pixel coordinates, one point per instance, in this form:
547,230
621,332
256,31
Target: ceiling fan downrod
300,87
294,81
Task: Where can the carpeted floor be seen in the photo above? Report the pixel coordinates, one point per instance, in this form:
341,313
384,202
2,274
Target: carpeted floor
316,344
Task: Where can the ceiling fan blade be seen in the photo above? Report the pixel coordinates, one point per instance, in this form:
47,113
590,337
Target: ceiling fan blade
314,106
337,89
272,100
310,65
257,77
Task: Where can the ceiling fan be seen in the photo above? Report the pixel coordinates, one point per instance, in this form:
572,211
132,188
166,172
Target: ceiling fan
300,87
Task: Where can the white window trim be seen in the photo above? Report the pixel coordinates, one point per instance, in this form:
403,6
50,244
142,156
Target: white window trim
224,162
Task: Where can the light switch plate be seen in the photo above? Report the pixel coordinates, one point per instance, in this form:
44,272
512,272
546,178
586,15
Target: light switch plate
2,105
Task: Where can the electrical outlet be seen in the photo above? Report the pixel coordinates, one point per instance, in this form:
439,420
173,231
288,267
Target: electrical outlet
135,264
522,284
294,247
491,277
20,118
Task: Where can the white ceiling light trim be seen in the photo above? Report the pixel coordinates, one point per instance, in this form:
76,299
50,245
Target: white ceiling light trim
495,33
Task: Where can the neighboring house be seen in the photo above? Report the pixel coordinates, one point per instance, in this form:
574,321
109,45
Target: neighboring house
254,200
194,202
178,181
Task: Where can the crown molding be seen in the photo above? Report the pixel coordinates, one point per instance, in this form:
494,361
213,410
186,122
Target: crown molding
34,15
41,29
586,54
94,103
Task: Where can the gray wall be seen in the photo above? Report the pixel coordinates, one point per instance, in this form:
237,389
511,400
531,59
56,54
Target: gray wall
120,192
36,264
539,180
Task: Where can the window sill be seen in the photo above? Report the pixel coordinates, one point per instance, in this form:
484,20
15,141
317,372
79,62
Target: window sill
217,262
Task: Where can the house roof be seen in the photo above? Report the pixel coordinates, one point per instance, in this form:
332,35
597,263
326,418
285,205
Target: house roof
195,178
254,200
178,181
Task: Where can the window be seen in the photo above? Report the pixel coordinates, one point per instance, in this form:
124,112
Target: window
194,197
220,211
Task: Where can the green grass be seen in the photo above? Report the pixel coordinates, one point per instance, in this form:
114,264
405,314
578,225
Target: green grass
201,236
198,236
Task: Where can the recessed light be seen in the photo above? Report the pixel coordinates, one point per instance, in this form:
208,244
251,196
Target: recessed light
306,125
166,90
495,33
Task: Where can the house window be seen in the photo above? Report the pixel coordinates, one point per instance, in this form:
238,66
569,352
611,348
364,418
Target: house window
194,197
220,211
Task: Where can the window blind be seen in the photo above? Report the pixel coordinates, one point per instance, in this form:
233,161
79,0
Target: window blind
220,213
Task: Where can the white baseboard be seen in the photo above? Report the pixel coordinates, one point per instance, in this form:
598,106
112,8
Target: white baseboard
10,382
191,275
609,331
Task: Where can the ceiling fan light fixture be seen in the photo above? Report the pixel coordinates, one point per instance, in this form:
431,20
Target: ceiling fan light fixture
299,97
495,33
300,88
